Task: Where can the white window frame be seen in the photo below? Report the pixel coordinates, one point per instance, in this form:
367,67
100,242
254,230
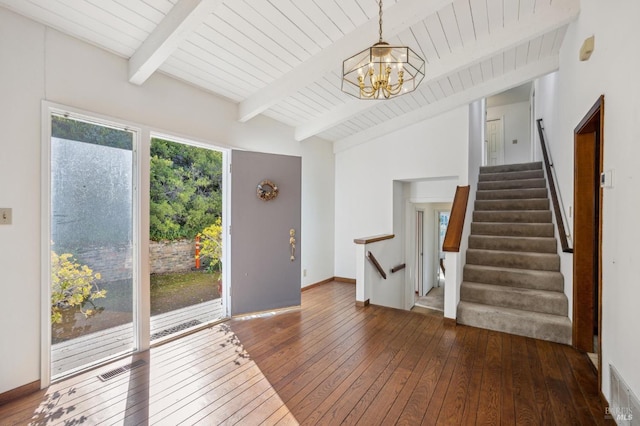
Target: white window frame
138,242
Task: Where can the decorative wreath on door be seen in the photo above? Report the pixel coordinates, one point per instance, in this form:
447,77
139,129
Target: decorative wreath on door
267,190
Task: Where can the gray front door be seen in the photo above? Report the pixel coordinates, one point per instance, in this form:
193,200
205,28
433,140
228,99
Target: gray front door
265,267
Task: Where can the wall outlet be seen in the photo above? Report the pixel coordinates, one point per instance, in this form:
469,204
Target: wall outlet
304,272
5,216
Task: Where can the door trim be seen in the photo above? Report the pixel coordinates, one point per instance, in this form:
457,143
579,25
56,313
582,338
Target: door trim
419,254
45,247
583,293
436,265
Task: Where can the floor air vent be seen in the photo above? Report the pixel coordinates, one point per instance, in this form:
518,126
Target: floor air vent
175,329
624,407
117,371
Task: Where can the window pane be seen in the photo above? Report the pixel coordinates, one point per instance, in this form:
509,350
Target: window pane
92,243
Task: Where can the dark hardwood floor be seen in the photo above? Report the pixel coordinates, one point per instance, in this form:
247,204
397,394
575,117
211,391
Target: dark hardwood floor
331,363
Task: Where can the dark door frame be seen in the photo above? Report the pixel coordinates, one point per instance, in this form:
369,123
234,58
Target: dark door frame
587,226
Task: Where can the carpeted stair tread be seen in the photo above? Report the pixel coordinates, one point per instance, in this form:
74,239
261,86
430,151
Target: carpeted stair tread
511,194
526,244
512,229
554,328
513,216
513,204
513,277
512,184
514,260
511,167
525,174
548,302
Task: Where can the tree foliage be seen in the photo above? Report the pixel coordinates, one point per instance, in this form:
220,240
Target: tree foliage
75,130
186,189
72,285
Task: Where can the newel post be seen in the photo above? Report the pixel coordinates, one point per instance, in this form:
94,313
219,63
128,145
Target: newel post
362,293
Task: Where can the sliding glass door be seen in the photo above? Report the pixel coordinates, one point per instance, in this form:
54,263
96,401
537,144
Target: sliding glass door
92,205
97,302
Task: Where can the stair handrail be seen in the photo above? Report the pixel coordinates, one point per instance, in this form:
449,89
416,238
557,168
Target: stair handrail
556,197
453,236
398,268
377,265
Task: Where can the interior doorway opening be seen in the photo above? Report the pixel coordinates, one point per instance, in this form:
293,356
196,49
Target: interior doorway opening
431,224
509,126
186,237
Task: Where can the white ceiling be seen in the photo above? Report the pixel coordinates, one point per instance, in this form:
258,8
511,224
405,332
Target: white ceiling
283,58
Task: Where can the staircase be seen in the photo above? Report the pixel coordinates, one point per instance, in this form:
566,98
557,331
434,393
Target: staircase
512,280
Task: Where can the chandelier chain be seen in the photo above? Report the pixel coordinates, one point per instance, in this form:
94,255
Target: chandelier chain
380,18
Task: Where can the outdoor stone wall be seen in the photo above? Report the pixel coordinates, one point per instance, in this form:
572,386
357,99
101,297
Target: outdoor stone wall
172,256
115,263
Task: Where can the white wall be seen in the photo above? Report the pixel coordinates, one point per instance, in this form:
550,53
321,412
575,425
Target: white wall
433,190
612,71
365,175
545,108
40,63
22,88
390,253
317,211
516,123
475,146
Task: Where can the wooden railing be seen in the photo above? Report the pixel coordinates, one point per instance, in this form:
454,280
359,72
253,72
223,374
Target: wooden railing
555,198
376,264
375,238
398,268
453,236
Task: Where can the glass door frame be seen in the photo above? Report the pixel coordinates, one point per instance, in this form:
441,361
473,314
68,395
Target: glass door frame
48,110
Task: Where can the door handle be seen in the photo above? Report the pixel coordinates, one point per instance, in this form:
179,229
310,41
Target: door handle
292,243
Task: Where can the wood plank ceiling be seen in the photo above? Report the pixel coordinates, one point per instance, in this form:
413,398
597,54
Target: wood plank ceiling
283,58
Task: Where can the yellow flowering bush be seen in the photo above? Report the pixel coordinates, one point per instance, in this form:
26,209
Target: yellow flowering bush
211,243
72,285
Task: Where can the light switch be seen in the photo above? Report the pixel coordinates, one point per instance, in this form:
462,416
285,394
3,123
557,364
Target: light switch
606,179
5,216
